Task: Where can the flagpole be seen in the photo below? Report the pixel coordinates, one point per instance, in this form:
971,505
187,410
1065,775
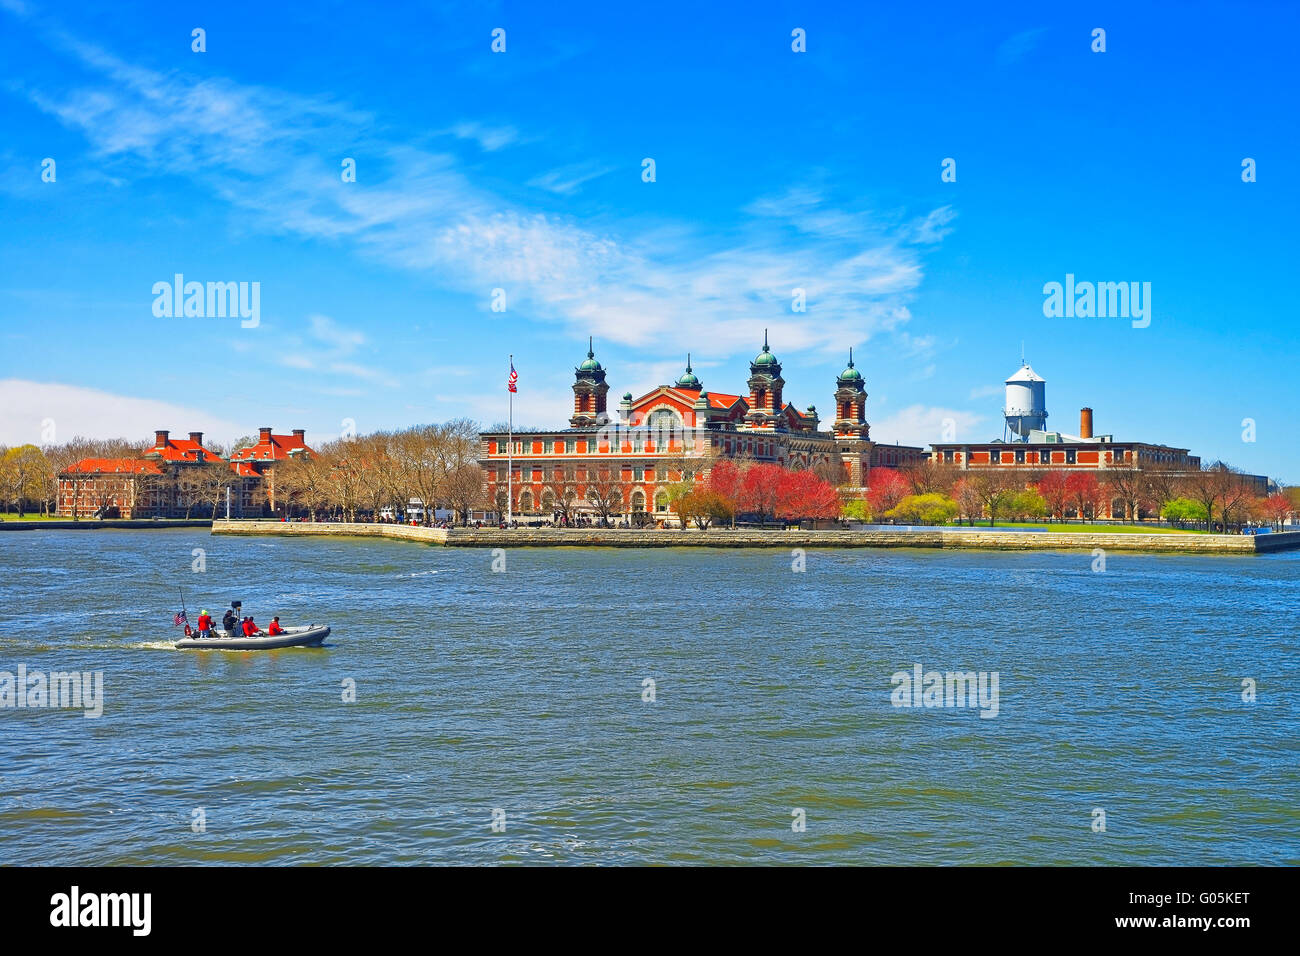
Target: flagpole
510,455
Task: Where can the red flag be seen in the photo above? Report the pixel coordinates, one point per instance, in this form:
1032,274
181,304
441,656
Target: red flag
514,378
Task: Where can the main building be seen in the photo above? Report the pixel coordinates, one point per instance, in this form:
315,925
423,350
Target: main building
674,433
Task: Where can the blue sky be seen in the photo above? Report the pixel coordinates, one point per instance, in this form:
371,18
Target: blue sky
522,171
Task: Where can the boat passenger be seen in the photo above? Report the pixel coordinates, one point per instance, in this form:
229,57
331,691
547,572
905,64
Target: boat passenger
205,625
228,622
275,627
250,628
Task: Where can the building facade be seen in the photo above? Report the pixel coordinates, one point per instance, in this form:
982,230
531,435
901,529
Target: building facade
167,480
674,433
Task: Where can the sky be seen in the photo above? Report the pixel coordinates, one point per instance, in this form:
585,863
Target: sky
523,171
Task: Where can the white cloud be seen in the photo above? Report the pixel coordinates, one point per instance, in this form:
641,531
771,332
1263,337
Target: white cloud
923,424
75,410
985,391
490,137
326,330
569,179
272,154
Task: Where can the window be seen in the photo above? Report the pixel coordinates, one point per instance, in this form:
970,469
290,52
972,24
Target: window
570,447
661,474
947,454
548,447
1069,456
995,457
638,474
1020,456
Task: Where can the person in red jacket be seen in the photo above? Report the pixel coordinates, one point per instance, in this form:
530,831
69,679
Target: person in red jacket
205,624
275,627
250,628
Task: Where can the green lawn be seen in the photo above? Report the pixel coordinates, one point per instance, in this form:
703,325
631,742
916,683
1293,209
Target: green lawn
30,517
1109,528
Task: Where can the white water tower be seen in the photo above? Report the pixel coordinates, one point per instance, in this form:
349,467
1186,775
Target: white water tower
1026,408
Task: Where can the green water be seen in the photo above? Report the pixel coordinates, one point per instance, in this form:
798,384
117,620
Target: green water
522,691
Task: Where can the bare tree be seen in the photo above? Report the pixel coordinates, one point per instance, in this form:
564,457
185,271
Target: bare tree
605,492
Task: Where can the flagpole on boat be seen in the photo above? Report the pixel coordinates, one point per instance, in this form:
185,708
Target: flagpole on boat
510,452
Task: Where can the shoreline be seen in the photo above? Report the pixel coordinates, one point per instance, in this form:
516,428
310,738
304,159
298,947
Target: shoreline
1217,544
89,524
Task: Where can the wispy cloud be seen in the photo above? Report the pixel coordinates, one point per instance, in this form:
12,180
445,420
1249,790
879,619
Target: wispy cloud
1019,45
489,136
273,155
569,179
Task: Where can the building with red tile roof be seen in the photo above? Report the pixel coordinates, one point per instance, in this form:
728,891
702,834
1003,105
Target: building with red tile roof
167,479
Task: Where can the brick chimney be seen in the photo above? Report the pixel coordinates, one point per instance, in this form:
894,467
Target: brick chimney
300,434
160,438
1085,423
264,435
196,437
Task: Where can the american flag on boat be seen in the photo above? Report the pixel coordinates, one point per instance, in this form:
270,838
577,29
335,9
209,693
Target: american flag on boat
180,619
512,384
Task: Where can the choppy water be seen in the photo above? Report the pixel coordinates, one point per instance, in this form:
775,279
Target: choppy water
522,691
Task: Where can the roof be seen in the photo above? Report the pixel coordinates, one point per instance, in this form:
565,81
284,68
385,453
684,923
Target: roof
99,466
722,400
1026,374
277,449
182,449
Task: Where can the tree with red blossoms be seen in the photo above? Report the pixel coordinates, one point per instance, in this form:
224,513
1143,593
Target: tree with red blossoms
885,489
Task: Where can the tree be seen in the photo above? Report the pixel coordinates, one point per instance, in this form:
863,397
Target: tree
21,471
806,494
969,501
1055,491
1233,494
724,479
1028,505
995,489
886,488
856,509
605,492
464,491
1202,487
1085,493
760,491
1129,486
929,476
1276,509
931,508
1179,511
704,507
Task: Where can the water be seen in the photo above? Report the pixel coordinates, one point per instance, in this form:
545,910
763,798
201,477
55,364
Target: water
522,691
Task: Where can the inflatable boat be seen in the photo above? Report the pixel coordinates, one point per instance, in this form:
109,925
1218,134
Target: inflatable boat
308,635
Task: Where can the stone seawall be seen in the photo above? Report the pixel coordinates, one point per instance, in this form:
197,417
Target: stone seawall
85,524
722,538
336,528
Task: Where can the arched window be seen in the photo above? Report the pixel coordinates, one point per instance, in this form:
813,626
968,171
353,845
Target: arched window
638,501
548,500
661,501
526,502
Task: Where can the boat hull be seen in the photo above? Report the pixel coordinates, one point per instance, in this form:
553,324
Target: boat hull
310,635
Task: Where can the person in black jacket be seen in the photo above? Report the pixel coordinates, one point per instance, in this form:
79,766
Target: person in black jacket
228,622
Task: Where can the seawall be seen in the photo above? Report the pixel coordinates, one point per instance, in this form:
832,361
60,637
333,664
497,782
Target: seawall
89,525
723,538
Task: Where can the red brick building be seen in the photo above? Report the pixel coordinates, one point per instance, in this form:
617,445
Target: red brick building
163,481
672,433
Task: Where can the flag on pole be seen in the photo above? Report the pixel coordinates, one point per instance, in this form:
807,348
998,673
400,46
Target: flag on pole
179,619
512,384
